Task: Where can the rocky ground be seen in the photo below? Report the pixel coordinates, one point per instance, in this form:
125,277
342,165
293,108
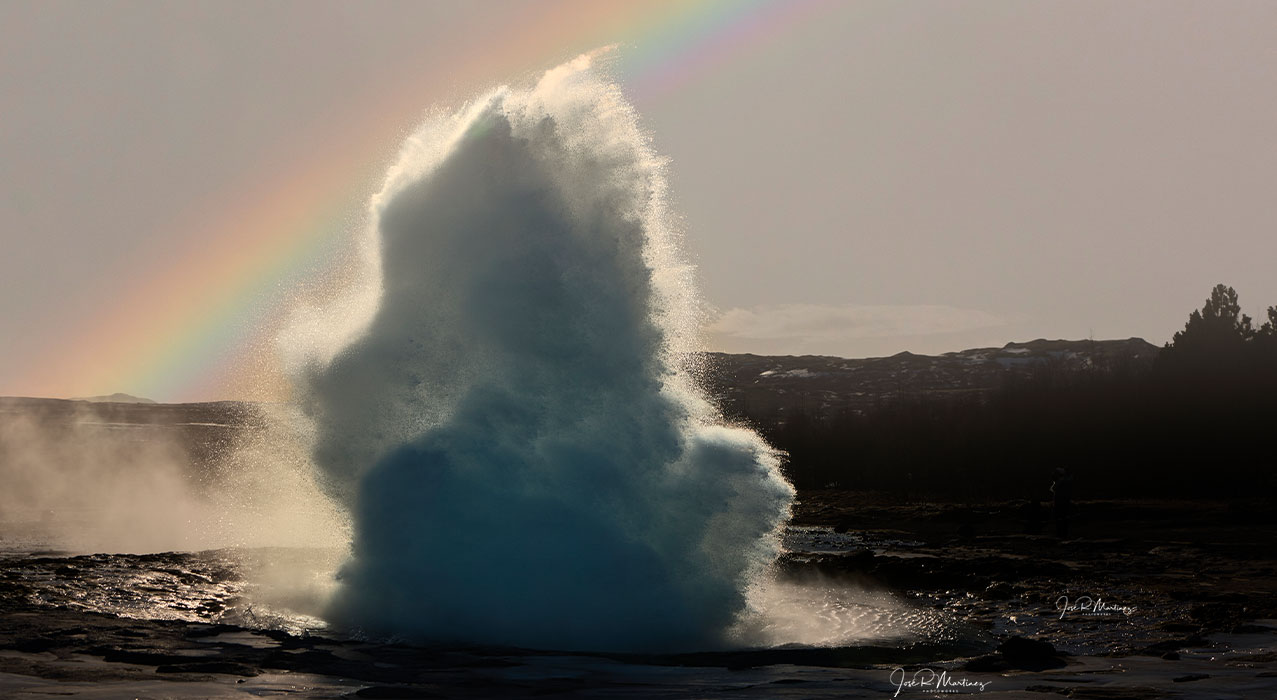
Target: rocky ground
1187,568
1186,608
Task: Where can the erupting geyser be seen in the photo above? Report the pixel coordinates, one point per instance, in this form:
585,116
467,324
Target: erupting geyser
514,430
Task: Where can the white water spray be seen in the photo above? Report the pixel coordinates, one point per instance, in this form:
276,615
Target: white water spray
505,408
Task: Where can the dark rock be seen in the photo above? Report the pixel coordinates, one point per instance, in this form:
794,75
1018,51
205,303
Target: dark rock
1046,689
1191,677
1030,654
198,631
1265,657
301,660
277,635
991,663
226,667
35,646
1138,692
1217,614
211,606
999,590
140,656
1171,656
1159,648
1225,597
1251,629
860,558
390,691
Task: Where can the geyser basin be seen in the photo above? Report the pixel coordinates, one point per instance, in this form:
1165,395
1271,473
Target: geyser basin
525,456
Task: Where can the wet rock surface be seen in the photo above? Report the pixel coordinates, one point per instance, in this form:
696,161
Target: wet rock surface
1186,609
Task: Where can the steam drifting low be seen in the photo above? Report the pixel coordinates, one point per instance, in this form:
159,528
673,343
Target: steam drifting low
506,409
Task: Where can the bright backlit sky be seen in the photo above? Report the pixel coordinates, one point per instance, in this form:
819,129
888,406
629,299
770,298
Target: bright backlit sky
870,178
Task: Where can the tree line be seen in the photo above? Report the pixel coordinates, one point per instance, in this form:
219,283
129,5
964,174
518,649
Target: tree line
1198,421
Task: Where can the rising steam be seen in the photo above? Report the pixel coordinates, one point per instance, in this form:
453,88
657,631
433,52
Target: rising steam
90,477
505,408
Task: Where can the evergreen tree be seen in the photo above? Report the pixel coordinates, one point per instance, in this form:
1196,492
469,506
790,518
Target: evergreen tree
1215,337
1269,329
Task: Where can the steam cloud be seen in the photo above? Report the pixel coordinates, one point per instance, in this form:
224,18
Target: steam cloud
511,422
77,477
80,483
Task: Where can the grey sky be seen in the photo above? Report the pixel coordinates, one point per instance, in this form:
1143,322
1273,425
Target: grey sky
1070,167
895,175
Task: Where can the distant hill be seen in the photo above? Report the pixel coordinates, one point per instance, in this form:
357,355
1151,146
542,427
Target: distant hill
114,398
202,429
757,385
769,384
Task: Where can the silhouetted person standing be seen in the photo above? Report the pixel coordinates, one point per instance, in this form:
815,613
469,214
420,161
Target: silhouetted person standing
1062,489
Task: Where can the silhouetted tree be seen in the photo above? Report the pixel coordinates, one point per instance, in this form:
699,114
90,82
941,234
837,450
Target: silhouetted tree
1219,325
1187,427
1268,331
1265,350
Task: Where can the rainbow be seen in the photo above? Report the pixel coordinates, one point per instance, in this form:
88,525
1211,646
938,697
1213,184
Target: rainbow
199,327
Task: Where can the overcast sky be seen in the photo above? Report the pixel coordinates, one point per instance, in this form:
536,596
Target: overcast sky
886,176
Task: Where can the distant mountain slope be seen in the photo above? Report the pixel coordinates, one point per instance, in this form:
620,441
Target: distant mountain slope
114,398
203,430
755,384
766,384
139,413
